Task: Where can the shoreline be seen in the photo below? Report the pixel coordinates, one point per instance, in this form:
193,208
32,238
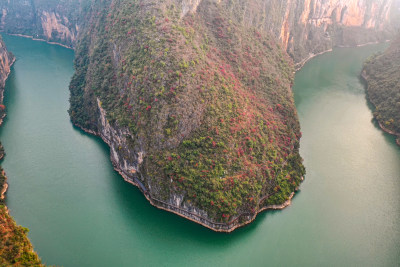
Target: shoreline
300,65
364,77
5,185
395,134
215,226
4,188
38,39
224,227
365,44
2,93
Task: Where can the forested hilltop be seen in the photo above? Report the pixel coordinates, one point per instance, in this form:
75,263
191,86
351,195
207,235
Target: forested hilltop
382,73
198,110
194,96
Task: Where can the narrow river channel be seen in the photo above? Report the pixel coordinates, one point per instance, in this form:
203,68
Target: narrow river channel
80,212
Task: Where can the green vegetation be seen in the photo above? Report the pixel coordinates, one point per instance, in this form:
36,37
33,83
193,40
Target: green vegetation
382,73
207,99
15,247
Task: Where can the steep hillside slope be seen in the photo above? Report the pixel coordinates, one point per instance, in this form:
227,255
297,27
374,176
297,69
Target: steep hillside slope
194,96
15,247
382,73
306,28
54,21
303,27
6,60
198,112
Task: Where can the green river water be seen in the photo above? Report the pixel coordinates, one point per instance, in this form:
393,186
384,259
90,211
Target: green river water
80,212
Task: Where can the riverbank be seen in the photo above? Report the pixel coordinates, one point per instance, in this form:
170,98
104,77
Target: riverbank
67,190
4,114
15,247
364,78
237,222
40,40
3,178
4,185
185,212
301,64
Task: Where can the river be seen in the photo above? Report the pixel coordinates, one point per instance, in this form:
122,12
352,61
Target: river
80,212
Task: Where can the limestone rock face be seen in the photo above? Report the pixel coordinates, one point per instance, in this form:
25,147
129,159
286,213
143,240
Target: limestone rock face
316,26
194,96
304,27
6,60
54,21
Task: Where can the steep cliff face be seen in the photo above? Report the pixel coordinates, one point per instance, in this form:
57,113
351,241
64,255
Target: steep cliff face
54,21
6,60
194,96
197,109
304,27
319,25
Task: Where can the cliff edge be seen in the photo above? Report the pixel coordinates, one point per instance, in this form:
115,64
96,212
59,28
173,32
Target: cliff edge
194,96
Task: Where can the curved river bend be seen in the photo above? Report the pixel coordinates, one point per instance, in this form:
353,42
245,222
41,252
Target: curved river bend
81,213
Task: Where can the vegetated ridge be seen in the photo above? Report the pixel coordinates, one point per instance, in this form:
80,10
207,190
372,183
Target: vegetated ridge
15,247
203,121
194,97
382,73
196,106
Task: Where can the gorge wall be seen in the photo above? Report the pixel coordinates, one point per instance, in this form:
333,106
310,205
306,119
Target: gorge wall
6,60
53,21
194,96
304,27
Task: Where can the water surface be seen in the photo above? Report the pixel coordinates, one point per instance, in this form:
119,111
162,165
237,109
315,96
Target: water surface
80,212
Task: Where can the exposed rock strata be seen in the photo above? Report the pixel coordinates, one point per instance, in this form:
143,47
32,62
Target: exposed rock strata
53,21
304,27
6,60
